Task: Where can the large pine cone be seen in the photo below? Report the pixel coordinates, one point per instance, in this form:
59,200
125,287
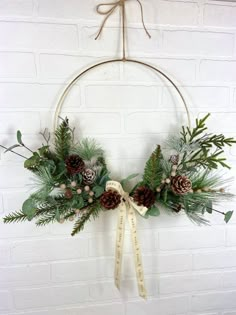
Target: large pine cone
89,176
181,185
144,196
74,164
110,199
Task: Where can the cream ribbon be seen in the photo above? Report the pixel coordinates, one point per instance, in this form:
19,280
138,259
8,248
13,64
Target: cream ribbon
128,207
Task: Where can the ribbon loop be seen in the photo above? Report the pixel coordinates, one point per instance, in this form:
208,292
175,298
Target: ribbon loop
128,207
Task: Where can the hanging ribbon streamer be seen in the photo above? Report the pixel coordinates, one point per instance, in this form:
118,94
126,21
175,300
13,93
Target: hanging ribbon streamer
128,208
110,11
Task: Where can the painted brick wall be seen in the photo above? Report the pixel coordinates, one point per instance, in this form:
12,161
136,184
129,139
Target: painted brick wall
43,43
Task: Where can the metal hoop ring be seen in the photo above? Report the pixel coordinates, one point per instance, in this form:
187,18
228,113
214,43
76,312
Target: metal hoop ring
68,87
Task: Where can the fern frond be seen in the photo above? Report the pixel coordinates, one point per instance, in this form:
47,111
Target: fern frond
153,170
63,139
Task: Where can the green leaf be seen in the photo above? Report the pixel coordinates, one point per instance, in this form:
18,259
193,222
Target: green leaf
29,209
19,137
12,147
228,216
98,190
153,211
33,161
124,181
43,150
209,206
57,215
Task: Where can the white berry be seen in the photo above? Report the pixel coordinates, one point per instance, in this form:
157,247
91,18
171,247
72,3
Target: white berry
158,189
91,193
87,188
73,184
63,186
173,174
174,167
163,181
167,181
90,200
79,191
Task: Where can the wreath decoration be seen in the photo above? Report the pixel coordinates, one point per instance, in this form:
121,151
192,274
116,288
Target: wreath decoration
72,180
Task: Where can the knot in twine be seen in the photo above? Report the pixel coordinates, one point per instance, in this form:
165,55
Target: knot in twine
110,11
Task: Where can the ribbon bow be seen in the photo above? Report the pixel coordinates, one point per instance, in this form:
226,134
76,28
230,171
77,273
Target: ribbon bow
109,12
129,207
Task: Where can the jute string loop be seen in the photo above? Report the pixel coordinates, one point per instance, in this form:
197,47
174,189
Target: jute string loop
110,11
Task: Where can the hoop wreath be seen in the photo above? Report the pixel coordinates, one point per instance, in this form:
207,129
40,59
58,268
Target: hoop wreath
73,182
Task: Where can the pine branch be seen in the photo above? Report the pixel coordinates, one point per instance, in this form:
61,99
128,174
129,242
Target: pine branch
153,170
63,140
14,217
92,210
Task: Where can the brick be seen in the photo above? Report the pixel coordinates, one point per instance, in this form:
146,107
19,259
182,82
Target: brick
38,36
218,70
111,37
17,65
231,236
191,239
73,65
16,8
29,96
189,283
122,96
198,43
16,276
214,301
219,15
6,301
5,253
49,296
88,270
21,177
229,279
99,309
215,260
51,249
209,97
186,13
153,122
66,10
181,69
1,204
165,306
27,122
95,123
24,229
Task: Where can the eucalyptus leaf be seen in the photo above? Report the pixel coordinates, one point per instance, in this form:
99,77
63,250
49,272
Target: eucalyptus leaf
124,181
19,137
98,190
153,211
29,209
57,215
209,206
228,216
12,147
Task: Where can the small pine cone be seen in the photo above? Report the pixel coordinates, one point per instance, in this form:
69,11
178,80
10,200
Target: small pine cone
110,199
89,176
181,185
144,196
174,159
74,164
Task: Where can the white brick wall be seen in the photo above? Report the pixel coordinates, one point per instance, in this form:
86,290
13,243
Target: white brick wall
189,270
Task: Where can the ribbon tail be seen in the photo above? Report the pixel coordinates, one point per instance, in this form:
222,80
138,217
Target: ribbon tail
119,244
137,253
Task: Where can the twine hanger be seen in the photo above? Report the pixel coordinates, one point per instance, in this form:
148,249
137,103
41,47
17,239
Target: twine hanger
109,12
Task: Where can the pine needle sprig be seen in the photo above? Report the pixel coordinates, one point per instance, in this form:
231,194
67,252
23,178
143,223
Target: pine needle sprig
88,149
63,139
153,170
14,217
90,211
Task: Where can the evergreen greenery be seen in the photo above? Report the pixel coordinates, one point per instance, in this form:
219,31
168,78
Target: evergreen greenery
153,171
63,140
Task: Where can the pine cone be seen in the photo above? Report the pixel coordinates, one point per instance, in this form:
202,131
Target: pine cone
74,164
174,159
181,185
110,199
89,176
144,196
